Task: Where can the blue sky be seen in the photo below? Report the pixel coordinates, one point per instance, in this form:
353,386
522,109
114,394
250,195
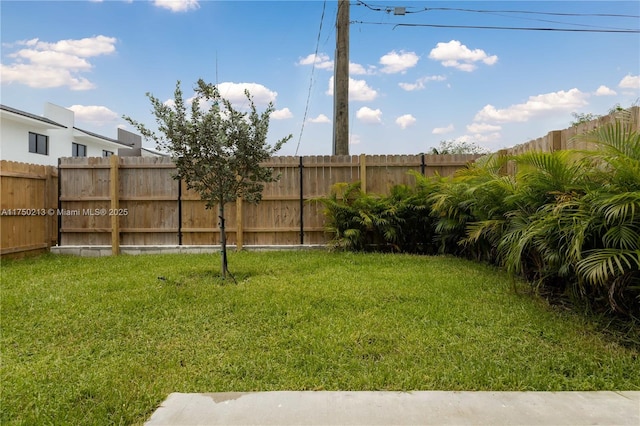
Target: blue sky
411,86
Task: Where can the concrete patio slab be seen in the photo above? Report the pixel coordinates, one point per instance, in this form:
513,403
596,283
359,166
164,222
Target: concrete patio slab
400,408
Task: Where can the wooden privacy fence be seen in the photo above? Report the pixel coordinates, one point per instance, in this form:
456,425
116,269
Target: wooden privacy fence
28,200
557,140
135,200
565,139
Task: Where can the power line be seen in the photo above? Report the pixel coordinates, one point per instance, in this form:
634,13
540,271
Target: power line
389,9
558,22
480,27
313,68
611,15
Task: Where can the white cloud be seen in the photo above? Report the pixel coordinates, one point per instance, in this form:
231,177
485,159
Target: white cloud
321,61
605,91
457,55
420,83
357,69
443,130
53,59
394,62
234,92
482,128
535,105
40,77
177,5
358,90
320,119
355,139
45,65
405,121
85,47
281,114
94,114
491,137
368,115
630,82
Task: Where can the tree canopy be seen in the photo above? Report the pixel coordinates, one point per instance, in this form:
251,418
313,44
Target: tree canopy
459,147
217,148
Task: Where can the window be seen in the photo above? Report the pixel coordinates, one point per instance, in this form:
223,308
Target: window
38,144
106,153
78,150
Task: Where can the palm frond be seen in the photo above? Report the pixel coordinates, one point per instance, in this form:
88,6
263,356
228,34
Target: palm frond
602,266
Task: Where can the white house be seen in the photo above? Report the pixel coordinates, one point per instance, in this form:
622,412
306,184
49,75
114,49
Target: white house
29,138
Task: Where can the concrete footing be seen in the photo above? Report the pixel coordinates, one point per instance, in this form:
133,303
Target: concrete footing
400,408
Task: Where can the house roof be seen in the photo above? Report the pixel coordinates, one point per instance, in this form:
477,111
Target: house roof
28,115
154,152
80,134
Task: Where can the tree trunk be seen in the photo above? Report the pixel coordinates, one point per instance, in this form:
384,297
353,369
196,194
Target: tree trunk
223,242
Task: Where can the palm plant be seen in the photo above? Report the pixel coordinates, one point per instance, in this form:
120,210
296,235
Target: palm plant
451,215
346,232
543,237
612,265
487,198
411,227
397,222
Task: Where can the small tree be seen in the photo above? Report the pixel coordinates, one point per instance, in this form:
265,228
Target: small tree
580,118
459,147
216,148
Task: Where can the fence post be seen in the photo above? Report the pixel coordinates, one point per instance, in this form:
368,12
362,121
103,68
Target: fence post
555,139
239,224
114,186
180,211
504,169
47,202
301,167
59,204
363,173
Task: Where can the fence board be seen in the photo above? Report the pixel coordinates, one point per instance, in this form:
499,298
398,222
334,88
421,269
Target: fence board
28,200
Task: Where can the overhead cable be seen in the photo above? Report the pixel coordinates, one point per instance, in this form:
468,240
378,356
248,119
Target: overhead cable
389,9
481,27
313,67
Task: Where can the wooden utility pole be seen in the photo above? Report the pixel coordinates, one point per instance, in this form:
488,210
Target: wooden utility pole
341,82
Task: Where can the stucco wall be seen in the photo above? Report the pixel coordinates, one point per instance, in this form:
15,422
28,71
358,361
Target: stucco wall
14,140
14,136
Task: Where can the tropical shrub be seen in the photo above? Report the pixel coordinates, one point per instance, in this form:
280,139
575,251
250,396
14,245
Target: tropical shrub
611,265
471,209
358,221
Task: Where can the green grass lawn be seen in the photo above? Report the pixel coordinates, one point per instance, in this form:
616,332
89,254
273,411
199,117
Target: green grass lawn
104,341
